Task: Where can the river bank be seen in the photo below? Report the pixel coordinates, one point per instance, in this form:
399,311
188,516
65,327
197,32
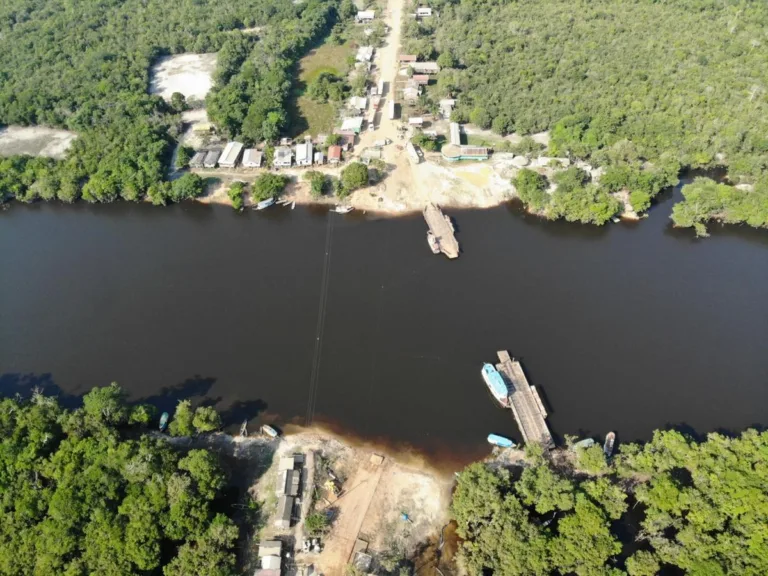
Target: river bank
372,490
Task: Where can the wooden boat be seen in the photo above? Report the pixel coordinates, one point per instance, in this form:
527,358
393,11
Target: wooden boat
500,441
265,203
610,440
267,430
164,417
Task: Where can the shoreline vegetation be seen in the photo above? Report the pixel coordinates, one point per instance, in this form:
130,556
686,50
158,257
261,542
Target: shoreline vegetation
97,489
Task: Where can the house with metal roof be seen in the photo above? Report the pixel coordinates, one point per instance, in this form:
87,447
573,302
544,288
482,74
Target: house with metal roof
284,511
408,58
353,124
211,158
425,67
319,158
423,12
283,157
421,79
304,153
334,154
365,15
198,160
270,548
455,134
231,155
252,158
288,483
364,54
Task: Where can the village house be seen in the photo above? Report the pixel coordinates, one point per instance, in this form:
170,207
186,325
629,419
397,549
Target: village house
364,54
455,134
334,154
365,16
284,512
347,139
270,552
358,103
446,106
231,155
198,159
283,157
252,158
288,483
423,12
425,67
319,158
304,154
412,91
420,79
417,121
352,124
211,158
408,58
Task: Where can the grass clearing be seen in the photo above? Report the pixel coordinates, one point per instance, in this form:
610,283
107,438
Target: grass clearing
307,116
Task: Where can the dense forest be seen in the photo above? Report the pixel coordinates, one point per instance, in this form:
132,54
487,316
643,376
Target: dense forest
633,83
84,65
699,507
89,491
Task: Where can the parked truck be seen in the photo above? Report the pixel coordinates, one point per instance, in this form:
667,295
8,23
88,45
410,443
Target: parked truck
392,109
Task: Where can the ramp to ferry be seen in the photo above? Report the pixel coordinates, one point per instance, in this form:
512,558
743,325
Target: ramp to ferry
526,404
440,225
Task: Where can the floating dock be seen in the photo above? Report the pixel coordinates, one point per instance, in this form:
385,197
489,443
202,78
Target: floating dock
442,229
526,404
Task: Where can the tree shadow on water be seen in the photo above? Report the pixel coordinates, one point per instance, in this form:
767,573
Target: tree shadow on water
196,387
13,384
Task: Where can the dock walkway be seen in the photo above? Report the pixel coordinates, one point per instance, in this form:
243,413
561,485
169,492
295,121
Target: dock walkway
440,225
526,404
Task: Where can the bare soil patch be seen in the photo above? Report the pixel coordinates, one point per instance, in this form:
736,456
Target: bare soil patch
35,141
190,74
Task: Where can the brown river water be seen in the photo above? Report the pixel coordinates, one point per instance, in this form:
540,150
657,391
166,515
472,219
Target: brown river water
309,317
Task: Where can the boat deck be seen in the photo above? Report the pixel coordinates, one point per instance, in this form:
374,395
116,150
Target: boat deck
526,404
440,225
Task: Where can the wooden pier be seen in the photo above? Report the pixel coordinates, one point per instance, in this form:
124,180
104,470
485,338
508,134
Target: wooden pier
525,402
442,228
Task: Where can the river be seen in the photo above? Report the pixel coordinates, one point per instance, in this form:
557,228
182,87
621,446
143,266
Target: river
304,316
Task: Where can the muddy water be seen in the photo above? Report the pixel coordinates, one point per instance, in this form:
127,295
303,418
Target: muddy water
303,316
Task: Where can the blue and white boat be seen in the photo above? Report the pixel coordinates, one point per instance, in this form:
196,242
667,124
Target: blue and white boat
496,384
501,441
164,417
265,203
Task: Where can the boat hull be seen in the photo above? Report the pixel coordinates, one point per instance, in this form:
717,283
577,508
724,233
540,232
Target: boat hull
496,385
500,441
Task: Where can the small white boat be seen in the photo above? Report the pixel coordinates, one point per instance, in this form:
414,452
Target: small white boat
265,203
267,430
610,441
293,205
434,245
343,209
500,441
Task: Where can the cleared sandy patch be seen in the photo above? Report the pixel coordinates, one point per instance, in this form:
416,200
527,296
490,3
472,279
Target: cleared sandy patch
190,74
35,141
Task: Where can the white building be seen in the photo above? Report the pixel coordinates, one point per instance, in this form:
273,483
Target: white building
231,155
416,121
423,11
358,102
391,109
455,134
304,154
365,15
283,157
446,106
252,158
319,158
353,124
364,54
